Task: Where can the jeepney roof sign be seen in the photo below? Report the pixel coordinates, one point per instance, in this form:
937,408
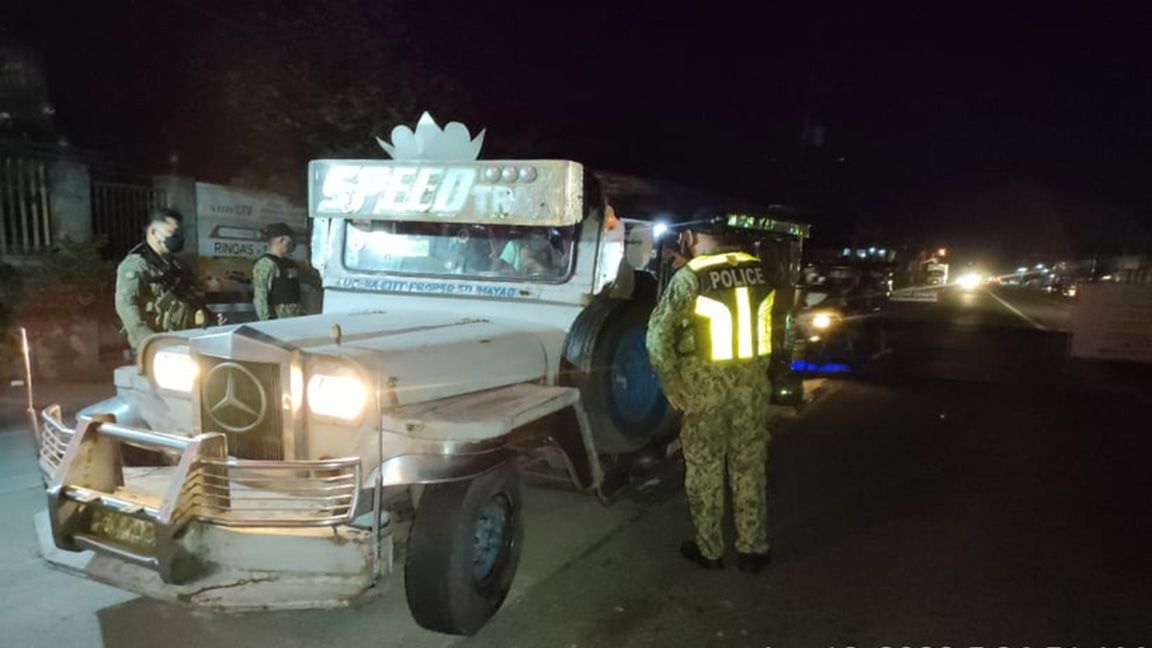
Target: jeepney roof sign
505,192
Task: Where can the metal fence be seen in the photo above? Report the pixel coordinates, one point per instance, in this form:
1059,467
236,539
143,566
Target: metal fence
25,212
119,212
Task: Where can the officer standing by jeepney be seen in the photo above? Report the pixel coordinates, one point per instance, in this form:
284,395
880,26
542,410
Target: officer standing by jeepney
155,291
710,340
276,277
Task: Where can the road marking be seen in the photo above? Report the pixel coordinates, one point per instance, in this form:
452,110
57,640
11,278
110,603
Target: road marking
1019,314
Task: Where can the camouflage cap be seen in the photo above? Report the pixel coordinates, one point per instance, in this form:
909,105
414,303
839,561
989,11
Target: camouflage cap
274,230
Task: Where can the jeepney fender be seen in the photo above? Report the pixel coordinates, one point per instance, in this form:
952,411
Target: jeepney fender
465,436
409,469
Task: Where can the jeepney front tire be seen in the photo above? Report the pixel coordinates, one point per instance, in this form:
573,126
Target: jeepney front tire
463,550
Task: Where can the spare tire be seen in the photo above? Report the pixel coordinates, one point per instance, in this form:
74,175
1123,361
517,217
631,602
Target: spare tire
608,361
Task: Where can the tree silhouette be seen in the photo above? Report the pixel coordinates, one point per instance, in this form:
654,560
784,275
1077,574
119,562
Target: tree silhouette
305,80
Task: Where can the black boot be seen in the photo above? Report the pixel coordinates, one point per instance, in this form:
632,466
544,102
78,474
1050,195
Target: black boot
753,563
691,551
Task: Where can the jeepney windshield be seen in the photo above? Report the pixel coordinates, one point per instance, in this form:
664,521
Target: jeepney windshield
460,250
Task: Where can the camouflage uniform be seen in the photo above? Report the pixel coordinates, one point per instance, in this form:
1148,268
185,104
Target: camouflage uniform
725,408
276,288
155,294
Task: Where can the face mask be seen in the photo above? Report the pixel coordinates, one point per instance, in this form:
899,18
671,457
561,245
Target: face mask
174,243
685,247
291,247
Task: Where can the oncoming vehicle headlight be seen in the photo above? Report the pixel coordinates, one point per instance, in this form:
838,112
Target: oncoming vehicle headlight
173,368
970,281
822,321
339,394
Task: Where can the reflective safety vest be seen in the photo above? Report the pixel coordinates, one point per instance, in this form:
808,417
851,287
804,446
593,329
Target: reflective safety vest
733,307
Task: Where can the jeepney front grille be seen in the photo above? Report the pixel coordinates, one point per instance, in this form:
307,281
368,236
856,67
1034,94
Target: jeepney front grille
242,401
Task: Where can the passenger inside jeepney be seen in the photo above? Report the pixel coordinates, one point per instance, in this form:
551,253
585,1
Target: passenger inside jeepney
454,249
529,251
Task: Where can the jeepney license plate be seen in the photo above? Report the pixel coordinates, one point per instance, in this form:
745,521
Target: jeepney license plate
123,529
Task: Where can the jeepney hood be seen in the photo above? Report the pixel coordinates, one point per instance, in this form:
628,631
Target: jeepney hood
416,356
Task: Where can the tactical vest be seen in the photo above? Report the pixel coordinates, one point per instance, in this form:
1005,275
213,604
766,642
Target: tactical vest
169,303
733,308
286,285
163,276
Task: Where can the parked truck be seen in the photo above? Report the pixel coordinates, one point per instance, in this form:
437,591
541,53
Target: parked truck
476,313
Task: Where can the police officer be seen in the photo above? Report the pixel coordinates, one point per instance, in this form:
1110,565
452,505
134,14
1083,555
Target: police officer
154,290
276,278
710,340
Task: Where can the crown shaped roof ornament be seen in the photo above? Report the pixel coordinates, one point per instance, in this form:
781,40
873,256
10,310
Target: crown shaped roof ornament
430,142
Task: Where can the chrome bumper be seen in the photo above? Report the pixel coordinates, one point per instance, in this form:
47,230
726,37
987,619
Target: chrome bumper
91,506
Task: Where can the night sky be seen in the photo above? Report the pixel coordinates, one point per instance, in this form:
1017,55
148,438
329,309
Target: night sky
1002,132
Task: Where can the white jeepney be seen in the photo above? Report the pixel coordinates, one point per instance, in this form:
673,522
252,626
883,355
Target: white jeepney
476,312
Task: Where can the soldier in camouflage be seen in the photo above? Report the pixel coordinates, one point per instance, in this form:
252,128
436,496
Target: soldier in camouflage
276,278
710,341
154,290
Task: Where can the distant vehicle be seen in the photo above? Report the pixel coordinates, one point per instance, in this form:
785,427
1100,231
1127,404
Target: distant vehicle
935,273
836,323
971,280
1067,286
928,268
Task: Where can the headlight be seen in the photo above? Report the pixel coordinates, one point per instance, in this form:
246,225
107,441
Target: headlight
818,322
970,281
173,368
339,395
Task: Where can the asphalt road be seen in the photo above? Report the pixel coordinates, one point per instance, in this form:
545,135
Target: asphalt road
973,492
